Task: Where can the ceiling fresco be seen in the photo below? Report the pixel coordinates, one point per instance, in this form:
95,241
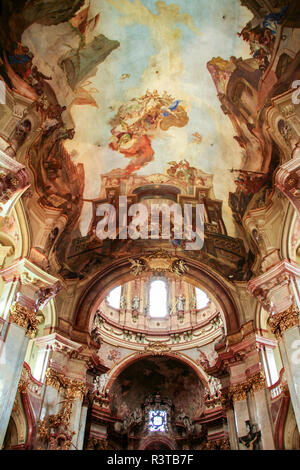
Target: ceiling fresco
142,95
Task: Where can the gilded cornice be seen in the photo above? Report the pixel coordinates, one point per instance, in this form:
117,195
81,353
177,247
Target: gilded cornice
253,384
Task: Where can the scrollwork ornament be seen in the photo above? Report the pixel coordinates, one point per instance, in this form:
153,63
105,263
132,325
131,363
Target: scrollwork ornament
157,348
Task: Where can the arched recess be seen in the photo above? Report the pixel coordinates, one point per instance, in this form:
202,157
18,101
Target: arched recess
17,430
129,360
119,272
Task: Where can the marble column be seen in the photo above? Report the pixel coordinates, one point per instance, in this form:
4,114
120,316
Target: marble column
278,292
28,290
62,415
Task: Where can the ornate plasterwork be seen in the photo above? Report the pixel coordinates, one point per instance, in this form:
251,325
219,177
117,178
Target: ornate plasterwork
157,349
54,429
158,262
239,391
24,317
73,388
282,321
257,382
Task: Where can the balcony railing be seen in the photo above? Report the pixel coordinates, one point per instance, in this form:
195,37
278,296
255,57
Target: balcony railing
278,387
31,383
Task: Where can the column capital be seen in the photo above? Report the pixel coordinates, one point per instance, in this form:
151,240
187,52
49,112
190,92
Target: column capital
24,317
252,384
73,388
282,321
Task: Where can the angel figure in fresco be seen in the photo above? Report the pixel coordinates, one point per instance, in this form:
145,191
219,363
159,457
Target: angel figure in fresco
135,124
261,36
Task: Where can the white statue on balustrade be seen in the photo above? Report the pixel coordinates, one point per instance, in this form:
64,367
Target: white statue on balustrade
99,383
214,386
180,303
135,303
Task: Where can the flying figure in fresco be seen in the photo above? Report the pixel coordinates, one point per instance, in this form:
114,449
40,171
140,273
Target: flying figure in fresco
135,124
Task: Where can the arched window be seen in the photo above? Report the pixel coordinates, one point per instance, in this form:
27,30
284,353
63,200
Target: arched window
158,299
114,297
202,299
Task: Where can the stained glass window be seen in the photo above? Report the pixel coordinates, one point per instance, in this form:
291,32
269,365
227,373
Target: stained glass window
157,420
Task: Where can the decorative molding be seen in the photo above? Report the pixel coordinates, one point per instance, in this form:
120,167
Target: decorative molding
73,388
158,262
157,349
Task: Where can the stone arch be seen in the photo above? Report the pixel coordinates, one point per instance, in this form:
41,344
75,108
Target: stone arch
119,272
162,442
129,360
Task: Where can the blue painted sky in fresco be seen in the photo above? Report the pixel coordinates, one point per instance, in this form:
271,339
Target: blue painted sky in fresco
141,46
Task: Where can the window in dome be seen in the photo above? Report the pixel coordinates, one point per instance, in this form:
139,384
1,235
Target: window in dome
158,299
202,299
114,297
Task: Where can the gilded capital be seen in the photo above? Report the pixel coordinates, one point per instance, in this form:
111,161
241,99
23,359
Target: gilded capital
24,317
238,392
282,321
254,383
257,382
73,388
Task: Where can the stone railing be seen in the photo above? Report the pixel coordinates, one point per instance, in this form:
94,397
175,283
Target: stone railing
28,382
279,387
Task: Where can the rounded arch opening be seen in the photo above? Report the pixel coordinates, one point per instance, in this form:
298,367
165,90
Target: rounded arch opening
118,273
